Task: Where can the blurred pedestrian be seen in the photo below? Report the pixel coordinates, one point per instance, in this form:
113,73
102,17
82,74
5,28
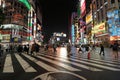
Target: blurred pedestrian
28,48
79,50
37,48
32,49
73,50
115,49
102,49
46,47
68,49
89,51
25,48
54,48
20,49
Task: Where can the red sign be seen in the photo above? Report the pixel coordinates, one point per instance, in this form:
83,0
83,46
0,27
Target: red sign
83,8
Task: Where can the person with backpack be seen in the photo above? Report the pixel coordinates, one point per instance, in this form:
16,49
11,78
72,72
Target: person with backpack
115,49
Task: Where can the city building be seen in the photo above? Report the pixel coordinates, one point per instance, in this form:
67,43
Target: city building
15,26
99,28
58,38
106,20
22,19
113,20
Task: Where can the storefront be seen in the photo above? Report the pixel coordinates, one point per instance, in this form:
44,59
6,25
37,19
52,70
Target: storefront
100,34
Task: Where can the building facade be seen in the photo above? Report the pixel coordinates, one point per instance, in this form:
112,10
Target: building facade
105,24
15,26
23,21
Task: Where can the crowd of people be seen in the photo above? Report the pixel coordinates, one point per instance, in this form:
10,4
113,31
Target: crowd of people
90,48
34,48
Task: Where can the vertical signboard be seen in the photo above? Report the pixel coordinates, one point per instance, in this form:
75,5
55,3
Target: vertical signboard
83,8
73,34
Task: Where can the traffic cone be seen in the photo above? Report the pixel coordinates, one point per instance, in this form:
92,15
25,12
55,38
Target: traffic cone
88,56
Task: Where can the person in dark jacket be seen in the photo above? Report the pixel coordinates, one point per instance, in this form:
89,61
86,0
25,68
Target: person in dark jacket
36,48
25,48
20,49
115,49
102,49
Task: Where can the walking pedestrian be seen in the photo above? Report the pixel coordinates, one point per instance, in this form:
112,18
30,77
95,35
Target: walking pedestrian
68,49
115,49
102,49
25,48
79,49
88,51
54,48
37,48
73,50
33,49
20,49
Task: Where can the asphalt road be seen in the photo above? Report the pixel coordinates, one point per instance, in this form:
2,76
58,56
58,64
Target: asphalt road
58,66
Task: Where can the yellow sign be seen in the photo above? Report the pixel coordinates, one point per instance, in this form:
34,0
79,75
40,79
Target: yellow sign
98,28
89,18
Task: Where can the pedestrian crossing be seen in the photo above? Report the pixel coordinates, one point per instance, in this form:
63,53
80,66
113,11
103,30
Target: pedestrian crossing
8,66
27,67
56,64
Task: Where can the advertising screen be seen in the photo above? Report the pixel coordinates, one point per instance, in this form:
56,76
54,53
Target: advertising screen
113,22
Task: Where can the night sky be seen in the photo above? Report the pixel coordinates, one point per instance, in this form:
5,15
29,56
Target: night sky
55,15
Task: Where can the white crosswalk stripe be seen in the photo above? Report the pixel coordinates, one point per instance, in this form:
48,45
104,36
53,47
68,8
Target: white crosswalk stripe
60,64
102,66
25,65
102,63
107,61
41,64
97,65
67,63
8,66
76,64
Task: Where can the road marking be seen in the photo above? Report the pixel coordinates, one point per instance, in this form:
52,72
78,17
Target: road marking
97,65
60,64
111,62
76,64
45,75
8,67
93,64
103,63
24,64
41,64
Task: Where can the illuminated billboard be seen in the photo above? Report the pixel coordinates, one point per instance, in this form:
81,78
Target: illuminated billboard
99,29
73,33
114,22
83,7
